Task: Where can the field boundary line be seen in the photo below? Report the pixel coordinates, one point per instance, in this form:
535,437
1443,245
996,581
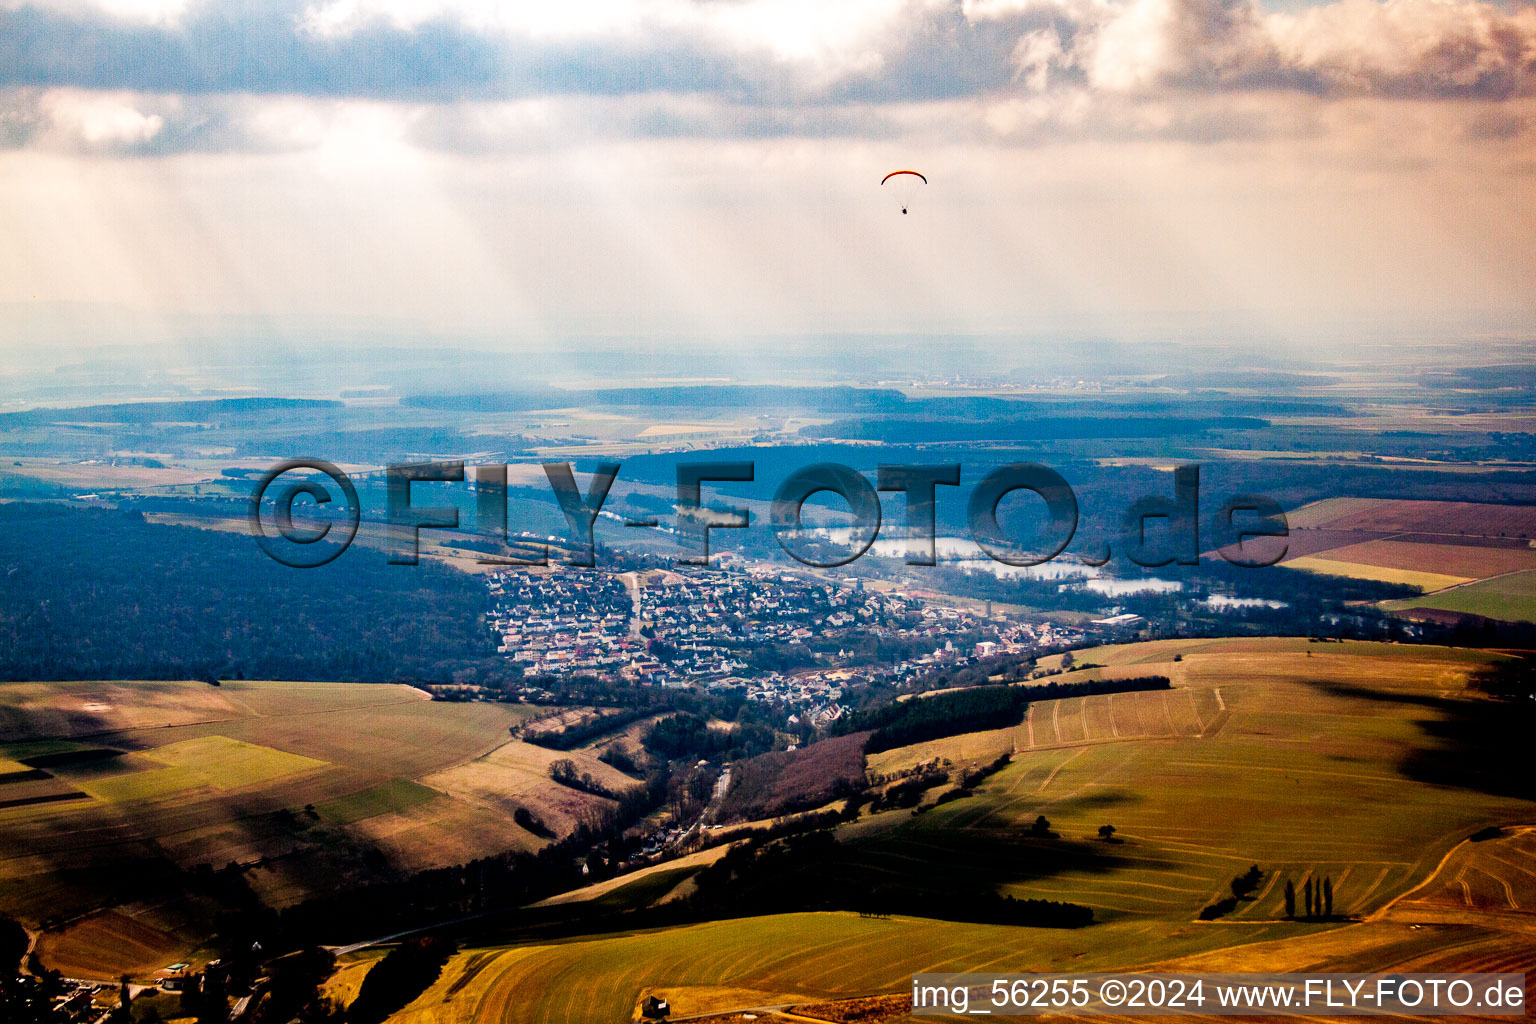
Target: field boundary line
1466,890
1520,829
1468,583
1509,893
1365,896
1298,771
1517,867
1051,777
1194,709
1431,877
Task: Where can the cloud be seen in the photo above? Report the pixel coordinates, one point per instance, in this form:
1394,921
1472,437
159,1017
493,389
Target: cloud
150,77
141,12
1411,47
1033,56
1435,49
75,120
101,120
769,50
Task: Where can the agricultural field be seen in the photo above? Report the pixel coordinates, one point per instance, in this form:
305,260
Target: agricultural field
1330,566
1290,761
776,960
1364,763
641,882
1443,518
1485,875
51,712
798,959
1510,598
516,774
1446,548
110,790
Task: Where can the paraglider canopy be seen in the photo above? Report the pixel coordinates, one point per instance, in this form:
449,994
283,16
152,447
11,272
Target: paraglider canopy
904,184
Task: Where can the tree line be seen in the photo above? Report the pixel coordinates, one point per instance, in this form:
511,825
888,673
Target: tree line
973,709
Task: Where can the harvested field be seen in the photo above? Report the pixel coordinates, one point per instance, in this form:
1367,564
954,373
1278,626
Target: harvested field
1327,565
214,775
64,710
1444,518
107,944
688,864
516,774
1495,875
1429,544
1471,562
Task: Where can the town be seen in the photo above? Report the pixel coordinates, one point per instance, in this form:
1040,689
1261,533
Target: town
782,638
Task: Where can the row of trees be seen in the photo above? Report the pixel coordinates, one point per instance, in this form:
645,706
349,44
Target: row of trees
565,772
1241,886
584,732
1318,898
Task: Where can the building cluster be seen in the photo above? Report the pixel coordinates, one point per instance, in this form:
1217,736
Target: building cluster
706,622
789,640
78,1001
564,620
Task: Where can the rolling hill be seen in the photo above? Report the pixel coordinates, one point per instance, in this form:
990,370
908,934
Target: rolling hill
1367,764
112,792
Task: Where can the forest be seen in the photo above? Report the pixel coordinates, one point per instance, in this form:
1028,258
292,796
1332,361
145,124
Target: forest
105,594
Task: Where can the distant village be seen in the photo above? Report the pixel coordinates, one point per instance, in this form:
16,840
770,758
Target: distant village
725,628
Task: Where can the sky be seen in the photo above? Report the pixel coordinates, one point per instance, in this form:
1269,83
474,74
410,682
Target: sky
526,172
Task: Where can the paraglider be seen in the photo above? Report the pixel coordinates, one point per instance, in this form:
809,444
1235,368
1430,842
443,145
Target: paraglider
904,184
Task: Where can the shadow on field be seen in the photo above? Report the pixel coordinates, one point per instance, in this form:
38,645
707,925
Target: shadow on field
929,856
1095,801
1481,745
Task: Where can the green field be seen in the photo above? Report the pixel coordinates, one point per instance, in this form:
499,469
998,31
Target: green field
1364,763
145,785
217,762
390,797
1307,766
1509,598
